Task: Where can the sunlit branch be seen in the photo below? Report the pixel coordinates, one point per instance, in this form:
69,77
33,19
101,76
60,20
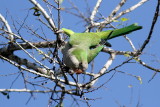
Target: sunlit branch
18,62
117,8
36,91
109,50
39,18
36,70
130,42
103,70
95,10
15,47
11,37
108,64
14,60
32,45
130,9
47,17
109,20
97,76
32,56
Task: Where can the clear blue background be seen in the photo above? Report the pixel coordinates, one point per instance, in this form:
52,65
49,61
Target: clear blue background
116,92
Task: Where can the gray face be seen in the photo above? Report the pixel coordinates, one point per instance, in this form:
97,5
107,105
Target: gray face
83,66
71,61
68,59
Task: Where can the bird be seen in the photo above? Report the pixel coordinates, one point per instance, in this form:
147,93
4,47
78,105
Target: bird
82,48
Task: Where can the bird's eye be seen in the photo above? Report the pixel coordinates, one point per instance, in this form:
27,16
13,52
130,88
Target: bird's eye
93,47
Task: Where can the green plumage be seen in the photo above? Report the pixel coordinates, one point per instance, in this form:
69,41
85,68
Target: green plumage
82,48
118,32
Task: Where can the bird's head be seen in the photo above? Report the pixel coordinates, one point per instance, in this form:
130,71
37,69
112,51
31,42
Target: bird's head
80,55
75,58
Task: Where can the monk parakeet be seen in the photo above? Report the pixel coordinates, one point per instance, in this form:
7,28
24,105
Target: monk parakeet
82,48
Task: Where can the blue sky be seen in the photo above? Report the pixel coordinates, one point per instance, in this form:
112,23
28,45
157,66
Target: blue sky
116,92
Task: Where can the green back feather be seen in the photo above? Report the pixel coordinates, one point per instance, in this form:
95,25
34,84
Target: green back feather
109,34
82,42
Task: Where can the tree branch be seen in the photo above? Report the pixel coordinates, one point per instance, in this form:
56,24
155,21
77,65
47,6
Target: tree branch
95,10
46,16
38,70
156,15
147,66
109,20
109,50
102,71
11,37
117,8
37,91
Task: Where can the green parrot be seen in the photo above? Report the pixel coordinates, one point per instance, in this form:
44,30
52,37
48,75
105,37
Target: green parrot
82,48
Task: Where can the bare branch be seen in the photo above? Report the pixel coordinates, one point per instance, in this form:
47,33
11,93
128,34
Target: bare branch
38,50
109,50
117,8
109,20
36,91
11,37
32,56
40,71
97,76
95,10
147,66
130,9
19,62
108,64
130,42
103,70
46,16
156,15
15,47
53,76
27,63
78,13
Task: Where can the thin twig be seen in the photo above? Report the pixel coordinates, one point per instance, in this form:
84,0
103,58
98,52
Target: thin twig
130,42
156,15
109,20
147,66
103,70
117,8
45,14
32,57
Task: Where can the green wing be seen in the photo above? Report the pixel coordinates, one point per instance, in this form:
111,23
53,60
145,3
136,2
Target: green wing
84,41
109,34
94,52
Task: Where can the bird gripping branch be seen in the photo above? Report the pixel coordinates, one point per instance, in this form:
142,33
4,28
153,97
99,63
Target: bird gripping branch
82,48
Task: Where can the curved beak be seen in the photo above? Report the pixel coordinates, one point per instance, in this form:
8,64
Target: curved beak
78,71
